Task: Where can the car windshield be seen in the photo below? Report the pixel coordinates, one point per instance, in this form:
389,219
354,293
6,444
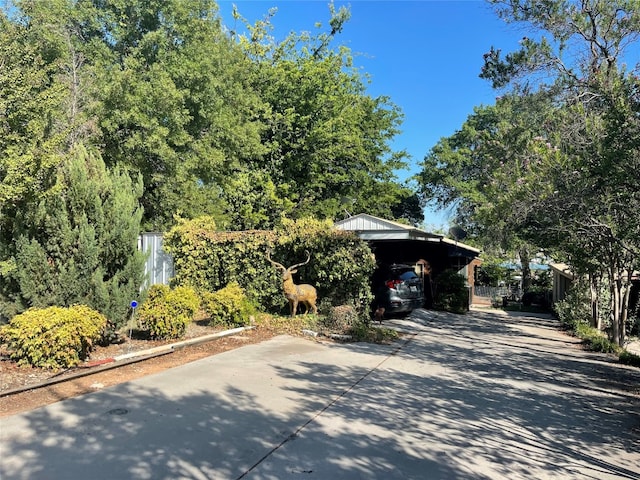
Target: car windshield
405,274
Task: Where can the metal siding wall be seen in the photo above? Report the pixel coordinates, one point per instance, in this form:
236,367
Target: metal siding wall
159,265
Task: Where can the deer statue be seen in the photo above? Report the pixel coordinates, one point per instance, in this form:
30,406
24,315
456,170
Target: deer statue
305,294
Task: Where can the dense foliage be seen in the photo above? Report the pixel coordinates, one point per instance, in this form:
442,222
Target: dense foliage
574,313
53,337
166,312
327,140
553,164
230,124
78,245
174,116
451,292
340,267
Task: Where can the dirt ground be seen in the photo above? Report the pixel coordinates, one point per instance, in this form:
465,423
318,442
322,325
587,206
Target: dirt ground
99,372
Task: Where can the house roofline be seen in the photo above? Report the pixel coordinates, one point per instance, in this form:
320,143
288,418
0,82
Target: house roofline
398,231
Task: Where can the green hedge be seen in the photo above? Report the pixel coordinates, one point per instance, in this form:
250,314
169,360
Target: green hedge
340,268
53,337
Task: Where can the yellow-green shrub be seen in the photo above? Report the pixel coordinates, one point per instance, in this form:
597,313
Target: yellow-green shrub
166,312
228,306
53,337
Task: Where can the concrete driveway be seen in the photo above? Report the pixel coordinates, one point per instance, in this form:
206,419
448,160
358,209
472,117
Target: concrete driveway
480,396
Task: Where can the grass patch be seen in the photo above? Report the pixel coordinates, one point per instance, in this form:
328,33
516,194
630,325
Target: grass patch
287,325
596,341
518,307
629,358
360,332
371,334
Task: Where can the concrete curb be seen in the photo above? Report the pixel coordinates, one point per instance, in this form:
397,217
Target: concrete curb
181,344
126,359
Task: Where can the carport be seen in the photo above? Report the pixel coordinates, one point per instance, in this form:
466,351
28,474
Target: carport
393,242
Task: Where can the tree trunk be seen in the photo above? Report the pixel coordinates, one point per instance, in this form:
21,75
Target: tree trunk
594,286
525,260
624,314
615,297
620,290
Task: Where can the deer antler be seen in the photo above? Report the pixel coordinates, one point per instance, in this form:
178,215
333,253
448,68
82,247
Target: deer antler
274,263
303,263
296,294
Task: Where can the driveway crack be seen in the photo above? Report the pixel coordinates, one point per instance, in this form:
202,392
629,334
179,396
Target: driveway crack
295,434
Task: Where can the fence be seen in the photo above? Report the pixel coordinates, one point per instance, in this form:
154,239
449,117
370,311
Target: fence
159,265
496,292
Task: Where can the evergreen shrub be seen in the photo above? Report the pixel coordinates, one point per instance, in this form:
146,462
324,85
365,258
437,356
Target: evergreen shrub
79,244
574,310
53,337
228,306
166,312
452,294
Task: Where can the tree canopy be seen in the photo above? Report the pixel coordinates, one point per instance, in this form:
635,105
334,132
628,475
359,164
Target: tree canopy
550,163
213,122
327,140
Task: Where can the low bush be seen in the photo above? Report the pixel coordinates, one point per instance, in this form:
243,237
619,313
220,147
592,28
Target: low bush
596,341
228,306
629,358
452,294
362,332
339,318
53,337
166,313
574,309
574,314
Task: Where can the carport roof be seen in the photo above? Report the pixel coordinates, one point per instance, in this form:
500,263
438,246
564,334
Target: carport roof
372,228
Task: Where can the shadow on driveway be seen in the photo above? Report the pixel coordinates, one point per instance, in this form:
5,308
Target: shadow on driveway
477,396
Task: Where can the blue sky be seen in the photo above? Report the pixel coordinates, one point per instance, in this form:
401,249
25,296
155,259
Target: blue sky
424,55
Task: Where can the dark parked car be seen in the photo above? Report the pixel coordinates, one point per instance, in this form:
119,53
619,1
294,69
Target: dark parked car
398,289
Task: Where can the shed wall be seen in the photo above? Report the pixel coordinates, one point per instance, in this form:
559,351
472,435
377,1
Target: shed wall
159,265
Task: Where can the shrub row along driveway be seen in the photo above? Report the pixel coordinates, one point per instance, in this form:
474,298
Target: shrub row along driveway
480,396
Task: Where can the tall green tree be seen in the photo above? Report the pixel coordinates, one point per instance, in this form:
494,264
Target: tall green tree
79,246
252,201
470,169
328,141
31,98
578,199
173,102
566,188
34,130
68,231
590,156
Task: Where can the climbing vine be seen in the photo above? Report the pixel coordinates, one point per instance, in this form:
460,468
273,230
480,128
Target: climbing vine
208,260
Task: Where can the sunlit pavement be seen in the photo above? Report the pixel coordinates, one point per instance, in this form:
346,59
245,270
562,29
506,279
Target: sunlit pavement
478,396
